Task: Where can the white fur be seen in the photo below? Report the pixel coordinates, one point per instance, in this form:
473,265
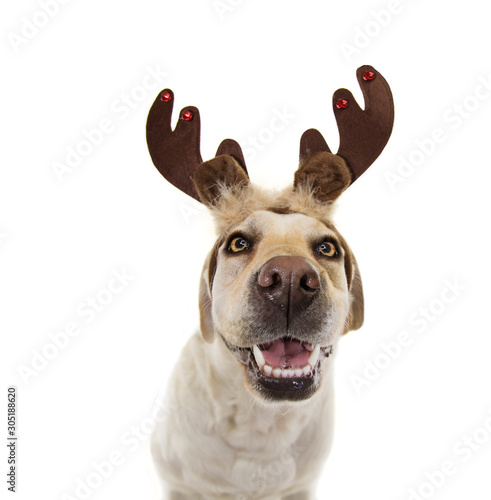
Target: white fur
222,441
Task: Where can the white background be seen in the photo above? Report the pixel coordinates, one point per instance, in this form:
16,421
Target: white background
61,239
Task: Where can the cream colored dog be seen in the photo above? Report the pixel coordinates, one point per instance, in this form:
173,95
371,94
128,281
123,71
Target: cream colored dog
252,411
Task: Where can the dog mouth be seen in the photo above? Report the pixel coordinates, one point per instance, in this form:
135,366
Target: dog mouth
284,369
288,358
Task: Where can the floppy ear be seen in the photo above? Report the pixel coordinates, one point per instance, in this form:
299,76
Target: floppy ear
207,326
213,176
326,174
357,303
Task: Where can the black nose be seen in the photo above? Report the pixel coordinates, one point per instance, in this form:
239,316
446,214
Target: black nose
289,282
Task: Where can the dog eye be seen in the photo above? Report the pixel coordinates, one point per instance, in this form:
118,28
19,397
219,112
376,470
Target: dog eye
238,244
328,249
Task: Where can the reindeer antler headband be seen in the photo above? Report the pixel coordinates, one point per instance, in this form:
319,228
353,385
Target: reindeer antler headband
363,135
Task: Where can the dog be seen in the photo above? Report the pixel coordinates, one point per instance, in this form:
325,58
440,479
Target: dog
252,395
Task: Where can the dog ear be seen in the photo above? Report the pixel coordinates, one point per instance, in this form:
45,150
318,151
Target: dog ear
355,287
207,326
215,176
326,175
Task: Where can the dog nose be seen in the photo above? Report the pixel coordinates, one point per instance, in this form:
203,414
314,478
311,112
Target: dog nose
288,281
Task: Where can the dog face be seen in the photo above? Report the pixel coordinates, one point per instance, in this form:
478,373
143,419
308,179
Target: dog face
279,289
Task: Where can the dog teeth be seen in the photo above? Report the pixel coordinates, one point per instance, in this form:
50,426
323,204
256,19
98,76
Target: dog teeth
286,372
259,356
314,355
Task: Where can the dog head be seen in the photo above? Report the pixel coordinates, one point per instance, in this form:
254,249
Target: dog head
280,285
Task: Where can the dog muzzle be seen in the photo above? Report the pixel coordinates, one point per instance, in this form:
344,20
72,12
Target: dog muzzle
285,369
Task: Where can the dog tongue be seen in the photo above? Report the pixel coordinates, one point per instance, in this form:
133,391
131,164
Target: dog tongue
286,353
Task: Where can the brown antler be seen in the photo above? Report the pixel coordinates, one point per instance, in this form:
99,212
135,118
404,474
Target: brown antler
363,133
176,153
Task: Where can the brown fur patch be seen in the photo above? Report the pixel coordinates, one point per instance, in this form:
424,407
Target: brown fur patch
213,263
357,301
281,210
